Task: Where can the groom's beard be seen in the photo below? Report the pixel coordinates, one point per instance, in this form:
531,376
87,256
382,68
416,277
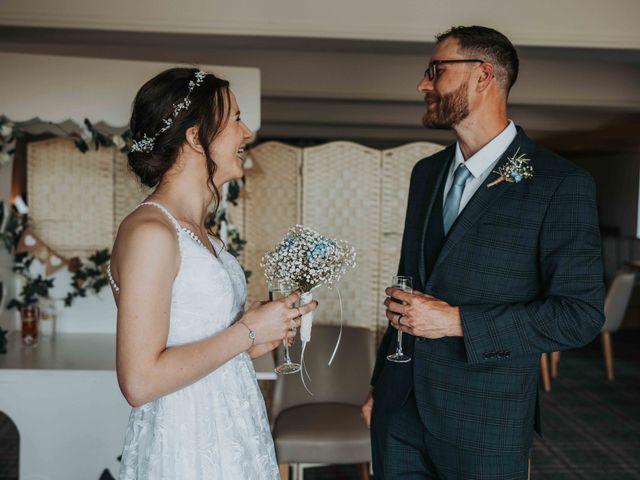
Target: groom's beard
450,109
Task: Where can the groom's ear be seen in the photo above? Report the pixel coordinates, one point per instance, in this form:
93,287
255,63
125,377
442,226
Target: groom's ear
192,139
485,77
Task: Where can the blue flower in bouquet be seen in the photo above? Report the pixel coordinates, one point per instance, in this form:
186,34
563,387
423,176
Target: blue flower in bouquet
319,250
285,245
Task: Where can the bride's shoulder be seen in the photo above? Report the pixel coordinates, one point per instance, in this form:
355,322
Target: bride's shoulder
146,229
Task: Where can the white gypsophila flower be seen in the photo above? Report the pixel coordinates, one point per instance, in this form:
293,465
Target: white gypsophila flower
308,259
5,158
118,142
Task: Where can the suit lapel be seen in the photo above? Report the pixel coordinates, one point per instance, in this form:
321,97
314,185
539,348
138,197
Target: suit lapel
425,201
481,200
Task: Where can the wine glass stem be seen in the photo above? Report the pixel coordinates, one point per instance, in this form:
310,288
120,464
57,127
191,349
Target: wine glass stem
287,358
399,348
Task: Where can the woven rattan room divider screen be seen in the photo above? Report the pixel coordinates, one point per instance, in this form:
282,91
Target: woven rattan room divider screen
77,200
342,189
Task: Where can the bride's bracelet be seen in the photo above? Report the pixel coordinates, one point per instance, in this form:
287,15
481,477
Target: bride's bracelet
252,333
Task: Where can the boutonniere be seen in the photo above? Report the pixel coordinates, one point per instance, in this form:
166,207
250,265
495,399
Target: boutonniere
515,170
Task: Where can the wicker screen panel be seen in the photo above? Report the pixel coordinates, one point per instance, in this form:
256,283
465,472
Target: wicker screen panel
70,196
341,198
271,205
397,164
128,191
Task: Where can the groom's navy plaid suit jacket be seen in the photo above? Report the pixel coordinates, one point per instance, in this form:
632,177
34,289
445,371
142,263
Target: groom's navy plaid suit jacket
523,263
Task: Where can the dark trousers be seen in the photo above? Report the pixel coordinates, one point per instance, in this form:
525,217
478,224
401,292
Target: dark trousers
404,450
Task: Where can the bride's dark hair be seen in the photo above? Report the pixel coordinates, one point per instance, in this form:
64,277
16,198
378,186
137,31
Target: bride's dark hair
208,110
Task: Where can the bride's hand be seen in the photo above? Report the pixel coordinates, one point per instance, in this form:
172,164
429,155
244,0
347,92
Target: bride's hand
264,348
272,321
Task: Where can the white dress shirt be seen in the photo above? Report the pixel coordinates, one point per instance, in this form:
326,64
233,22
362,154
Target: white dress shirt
480,164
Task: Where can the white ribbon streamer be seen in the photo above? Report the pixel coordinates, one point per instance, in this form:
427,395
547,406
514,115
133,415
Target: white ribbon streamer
339,334
303,368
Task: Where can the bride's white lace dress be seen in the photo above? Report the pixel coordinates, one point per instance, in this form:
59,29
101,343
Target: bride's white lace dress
216,428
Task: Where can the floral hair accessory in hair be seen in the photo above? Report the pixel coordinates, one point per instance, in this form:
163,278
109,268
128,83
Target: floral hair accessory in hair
147,143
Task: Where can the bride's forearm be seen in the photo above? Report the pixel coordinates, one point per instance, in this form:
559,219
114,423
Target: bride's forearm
179,366
263,348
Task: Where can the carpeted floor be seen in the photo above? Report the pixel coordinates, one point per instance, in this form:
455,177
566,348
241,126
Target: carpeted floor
591,426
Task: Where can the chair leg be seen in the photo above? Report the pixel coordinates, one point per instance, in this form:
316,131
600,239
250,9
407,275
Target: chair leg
555,360
529,474
608,354
363,471
284,471
544,371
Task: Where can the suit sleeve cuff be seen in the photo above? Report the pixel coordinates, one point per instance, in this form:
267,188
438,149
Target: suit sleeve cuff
480,345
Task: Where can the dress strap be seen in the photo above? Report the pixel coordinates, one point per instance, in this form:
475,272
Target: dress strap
113,283
166,212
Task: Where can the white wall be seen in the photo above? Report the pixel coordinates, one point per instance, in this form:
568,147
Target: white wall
60,88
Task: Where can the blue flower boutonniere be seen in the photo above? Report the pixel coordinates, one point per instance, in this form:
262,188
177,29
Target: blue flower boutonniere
515,170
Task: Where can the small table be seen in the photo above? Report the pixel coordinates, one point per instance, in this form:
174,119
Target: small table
64,398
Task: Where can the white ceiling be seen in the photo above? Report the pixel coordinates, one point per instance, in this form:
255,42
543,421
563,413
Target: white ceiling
363,89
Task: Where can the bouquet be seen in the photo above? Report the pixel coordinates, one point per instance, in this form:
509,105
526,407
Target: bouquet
309,260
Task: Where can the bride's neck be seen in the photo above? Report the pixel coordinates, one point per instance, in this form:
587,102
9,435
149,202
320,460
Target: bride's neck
187,199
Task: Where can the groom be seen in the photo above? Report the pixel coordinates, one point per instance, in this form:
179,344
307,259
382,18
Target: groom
504,268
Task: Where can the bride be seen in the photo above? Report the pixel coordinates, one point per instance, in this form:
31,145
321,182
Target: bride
184,344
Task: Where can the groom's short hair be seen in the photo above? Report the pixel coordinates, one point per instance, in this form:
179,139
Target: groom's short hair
489,45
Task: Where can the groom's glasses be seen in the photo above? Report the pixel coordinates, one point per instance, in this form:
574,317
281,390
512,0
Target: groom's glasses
431,72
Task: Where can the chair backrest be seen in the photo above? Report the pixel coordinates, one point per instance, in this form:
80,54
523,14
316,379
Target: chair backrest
345,381
617,300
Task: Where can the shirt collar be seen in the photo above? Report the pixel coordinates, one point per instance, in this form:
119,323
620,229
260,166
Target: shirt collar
489,154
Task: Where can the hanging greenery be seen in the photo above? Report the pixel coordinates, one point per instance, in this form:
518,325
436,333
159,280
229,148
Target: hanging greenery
33,287
88,276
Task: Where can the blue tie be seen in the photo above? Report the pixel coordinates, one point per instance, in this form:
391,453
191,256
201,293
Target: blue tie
452,202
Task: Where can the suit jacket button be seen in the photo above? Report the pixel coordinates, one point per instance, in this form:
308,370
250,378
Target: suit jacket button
420,339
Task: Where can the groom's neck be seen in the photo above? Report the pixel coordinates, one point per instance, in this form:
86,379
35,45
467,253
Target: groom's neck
480,127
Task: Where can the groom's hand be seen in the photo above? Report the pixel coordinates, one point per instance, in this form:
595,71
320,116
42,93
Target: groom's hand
366,408
422,315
